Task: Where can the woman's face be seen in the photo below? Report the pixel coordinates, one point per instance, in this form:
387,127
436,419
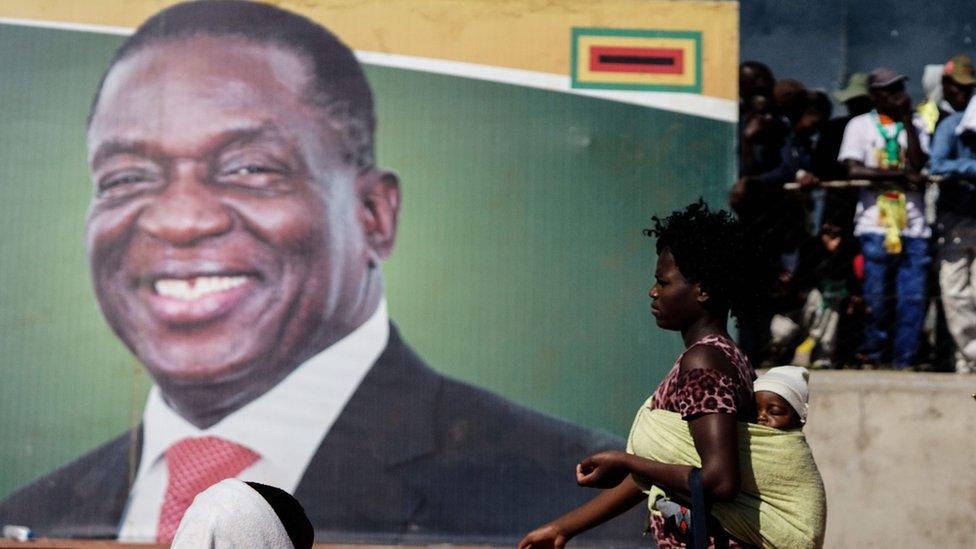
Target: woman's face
675,302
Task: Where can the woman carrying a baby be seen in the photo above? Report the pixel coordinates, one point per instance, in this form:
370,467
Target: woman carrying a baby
697,431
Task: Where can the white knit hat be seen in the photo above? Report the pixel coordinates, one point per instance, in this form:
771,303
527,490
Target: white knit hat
789,382
231,514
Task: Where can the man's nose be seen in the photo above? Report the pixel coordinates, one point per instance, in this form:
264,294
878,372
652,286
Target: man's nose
187,211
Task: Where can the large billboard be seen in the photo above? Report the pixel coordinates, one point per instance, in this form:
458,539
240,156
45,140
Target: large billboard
417,327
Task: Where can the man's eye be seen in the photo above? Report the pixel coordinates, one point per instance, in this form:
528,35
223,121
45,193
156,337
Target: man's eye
248,170
252,175
125,179
121,184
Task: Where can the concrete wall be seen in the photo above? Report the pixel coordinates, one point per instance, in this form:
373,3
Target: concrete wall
898,456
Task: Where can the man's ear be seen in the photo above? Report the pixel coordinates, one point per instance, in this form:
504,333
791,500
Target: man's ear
379,193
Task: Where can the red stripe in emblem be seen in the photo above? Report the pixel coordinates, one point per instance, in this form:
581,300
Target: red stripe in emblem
643,60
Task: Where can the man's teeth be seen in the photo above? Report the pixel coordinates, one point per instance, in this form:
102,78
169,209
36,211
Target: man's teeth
193,288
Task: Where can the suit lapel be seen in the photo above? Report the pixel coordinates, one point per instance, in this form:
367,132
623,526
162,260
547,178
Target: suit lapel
93,490
114,490
354,482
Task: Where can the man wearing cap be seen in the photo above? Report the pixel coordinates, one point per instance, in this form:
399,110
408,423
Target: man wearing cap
954,159
888,147
957,82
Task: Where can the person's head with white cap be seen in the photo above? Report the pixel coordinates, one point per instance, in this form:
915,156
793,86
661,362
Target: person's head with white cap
782,396
233,513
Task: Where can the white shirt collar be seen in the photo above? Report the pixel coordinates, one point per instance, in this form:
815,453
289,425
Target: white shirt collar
285,425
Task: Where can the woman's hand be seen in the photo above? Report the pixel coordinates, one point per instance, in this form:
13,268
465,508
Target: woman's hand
606,505
603,470
545,537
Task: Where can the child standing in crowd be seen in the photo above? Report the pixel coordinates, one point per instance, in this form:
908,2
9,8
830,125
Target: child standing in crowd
822,313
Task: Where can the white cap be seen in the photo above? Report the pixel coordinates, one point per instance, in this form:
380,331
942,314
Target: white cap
789,382
231,514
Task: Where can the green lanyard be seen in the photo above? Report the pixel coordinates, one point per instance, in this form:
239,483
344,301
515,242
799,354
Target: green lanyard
891,141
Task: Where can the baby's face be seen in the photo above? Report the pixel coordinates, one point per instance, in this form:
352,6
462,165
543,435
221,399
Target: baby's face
775,412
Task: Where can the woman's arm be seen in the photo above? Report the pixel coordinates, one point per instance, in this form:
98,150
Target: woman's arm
717,445
716,441
605,506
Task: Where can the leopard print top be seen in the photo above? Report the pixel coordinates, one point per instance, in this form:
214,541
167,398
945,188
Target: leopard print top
698,392
701,391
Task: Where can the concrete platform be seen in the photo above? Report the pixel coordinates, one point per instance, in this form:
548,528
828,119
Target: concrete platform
897,452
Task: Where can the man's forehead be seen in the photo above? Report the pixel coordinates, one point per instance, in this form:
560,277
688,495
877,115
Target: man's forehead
194,65
189,86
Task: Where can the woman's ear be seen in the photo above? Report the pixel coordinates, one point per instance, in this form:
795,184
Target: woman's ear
702,294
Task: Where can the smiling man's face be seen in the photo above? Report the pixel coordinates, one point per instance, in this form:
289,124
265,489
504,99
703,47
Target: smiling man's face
225,236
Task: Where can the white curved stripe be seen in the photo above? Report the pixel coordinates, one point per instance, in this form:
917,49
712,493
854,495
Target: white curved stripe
686,103
80,27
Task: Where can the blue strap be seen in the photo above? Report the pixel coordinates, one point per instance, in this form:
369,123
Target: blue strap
701,514
699,511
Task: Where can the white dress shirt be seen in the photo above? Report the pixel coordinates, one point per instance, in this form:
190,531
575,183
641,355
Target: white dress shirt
285,426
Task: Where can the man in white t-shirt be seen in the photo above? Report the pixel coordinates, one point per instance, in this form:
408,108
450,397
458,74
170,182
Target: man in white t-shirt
888,146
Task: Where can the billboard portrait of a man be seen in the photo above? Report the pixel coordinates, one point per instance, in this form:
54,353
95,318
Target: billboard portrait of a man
235,237
212,267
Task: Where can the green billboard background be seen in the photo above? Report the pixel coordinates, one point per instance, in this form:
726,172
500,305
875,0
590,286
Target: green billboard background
519,265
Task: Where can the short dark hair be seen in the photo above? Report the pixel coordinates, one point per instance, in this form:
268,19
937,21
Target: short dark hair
339,85
819,102
713,249
757,67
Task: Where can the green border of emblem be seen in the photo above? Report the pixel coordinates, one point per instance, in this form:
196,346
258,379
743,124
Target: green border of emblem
578,32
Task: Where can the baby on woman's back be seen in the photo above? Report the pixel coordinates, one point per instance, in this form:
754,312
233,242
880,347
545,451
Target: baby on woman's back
782,397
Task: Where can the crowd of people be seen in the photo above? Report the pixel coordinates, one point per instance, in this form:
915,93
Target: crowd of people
867,221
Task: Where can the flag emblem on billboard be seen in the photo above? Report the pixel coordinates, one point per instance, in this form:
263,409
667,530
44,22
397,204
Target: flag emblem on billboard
633,59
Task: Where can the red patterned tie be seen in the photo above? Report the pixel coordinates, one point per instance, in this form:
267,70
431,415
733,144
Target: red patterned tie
195,464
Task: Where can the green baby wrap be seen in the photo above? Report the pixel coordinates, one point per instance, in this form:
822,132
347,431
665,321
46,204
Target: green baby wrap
781,502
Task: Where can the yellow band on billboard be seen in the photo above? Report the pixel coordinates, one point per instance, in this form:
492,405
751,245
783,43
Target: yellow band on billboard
516,34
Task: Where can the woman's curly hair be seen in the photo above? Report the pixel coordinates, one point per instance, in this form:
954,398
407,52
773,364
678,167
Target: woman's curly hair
712,249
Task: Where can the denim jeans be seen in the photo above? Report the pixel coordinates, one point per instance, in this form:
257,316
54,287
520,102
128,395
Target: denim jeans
908,270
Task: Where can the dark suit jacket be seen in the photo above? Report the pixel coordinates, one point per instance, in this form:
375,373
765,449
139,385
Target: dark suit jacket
413,457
